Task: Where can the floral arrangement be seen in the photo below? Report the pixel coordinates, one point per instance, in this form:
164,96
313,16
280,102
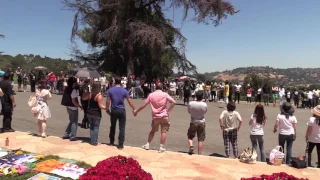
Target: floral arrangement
275,176
117,168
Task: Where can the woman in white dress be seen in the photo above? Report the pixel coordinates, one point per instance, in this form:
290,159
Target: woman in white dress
43,110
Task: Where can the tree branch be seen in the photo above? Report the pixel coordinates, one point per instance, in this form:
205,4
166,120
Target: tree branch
149,4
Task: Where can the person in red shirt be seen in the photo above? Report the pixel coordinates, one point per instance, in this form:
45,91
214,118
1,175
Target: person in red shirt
52,79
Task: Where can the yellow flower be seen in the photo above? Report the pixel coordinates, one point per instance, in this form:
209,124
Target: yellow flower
19,152
14,170
39,157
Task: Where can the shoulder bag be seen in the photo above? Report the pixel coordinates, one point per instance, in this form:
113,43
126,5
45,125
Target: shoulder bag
301,161
32,101
276,156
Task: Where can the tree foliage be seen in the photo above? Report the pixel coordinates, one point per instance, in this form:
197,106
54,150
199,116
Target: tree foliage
28,62
135,37
256,81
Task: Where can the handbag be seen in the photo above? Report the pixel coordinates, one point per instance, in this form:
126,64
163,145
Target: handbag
32,101
276,156
248,156
299,162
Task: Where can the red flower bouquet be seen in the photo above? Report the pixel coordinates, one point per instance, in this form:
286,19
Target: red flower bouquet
117,168
275,176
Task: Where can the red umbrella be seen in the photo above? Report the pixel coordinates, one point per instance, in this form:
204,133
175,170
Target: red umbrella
183,78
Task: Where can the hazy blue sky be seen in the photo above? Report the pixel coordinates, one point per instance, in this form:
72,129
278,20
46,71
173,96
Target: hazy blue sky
276,33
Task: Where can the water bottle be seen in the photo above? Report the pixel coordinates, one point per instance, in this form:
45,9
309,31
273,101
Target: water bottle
7,142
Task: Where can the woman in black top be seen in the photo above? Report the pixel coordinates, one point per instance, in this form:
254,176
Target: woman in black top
94,111
32,79
41,76
186,92
84,90
193,88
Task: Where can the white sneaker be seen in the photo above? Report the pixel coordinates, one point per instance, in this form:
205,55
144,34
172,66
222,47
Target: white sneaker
162,149
146,147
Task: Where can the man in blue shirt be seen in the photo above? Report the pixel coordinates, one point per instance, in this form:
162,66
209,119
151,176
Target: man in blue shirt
115,97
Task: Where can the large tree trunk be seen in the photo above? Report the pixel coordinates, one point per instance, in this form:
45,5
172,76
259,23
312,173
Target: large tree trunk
130,65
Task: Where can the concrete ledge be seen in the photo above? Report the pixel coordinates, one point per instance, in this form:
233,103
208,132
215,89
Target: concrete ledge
168,165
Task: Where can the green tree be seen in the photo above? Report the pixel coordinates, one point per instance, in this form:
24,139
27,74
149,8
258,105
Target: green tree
132,33
201,77
254,80
28,62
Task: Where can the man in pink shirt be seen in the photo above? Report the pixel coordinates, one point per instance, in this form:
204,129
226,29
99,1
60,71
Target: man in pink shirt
158,102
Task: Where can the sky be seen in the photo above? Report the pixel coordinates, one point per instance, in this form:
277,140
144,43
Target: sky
280,34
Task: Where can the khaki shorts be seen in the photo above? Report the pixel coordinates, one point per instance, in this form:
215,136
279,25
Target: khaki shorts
198,129
164,122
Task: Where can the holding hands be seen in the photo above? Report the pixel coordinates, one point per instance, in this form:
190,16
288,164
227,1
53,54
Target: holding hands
108,112
135,112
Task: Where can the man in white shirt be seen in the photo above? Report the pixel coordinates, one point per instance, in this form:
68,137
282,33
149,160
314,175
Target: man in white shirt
310,97
173,88
238,90
103,82
197,110
282,93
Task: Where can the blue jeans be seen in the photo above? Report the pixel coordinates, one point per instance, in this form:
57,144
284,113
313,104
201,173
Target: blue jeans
207,95
94,128
73,124
255,140
114,116
289,140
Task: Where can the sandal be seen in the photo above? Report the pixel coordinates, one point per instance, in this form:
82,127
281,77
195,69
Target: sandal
44,135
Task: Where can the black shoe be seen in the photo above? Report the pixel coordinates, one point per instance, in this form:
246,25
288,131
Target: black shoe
120,147
73,139
65,137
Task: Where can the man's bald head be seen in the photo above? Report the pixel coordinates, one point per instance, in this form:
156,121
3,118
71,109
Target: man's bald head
159,86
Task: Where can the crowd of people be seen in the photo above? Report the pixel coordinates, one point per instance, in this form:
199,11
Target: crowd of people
225,91
87,95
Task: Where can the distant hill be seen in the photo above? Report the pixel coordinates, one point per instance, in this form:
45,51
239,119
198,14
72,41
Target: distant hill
290,76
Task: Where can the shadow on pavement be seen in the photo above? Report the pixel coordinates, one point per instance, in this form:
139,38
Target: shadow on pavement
218,155
184,152
180,104
84,139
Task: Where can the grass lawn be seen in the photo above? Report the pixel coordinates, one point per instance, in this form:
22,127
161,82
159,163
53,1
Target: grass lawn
27,175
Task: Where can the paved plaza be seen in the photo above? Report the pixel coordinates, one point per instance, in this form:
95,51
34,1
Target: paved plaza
137,128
